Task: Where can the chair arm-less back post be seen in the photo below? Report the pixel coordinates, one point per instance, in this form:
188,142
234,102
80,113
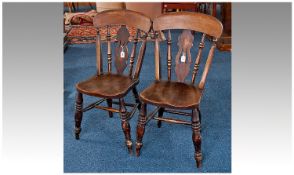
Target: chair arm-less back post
109,59
169,55
133,53
140,59
157,58
99,60
207,64
198,58
123,18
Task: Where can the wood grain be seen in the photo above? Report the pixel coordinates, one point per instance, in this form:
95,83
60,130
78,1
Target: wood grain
122,17
189,20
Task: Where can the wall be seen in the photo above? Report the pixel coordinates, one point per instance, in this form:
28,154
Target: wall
151,10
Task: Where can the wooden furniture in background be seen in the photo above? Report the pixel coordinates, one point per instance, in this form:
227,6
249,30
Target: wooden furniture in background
225,42
188,6
109,85
202,7
171,96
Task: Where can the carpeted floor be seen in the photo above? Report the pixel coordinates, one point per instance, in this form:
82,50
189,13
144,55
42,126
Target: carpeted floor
166,149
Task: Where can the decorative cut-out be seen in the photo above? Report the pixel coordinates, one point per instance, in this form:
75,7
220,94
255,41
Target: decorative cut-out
185,42
121,51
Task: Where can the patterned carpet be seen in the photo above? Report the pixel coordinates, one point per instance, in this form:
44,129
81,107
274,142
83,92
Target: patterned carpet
79,34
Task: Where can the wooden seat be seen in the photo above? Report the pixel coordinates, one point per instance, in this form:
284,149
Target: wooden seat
107,86
171,95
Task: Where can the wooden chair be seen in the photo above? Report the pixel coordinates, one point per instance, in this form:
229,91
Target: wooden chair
171,96
110,84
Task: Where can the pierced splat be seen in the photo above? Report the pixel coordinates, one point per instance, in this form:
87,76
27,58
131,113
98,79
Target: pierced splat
121,51
185,42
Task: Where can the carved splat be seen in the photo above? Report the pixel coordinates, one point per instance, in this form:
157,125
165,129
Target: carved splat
183,57
121,51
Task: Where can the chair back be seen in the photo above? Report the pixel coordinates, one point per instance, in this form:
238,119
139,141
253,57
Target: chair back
126,19
189,23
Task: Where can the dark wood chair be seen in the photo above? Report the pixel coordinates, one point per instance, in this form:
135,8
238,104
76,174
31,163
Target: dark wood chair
172,96
109,85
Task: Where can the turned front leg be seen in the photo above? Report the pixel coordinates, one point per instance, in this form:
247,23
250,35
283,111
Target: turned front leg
78,114
141,128
196,137
125,125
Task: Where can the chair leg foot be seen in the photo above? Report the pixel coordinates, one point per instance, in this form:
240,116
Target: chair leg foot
138,148
196,137
129,146
77,133
78,115
127,131
125,125
141,129
109,104
198,162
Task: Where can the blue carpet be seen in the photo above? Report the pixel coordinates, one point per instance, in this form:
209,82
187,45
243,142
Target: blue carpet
166,149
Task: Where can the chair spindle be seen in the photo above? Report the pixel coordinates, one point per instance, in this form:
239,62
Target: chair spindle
109,60
140,58
99,63
207,64
133,53
157,57
198,58
169,55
